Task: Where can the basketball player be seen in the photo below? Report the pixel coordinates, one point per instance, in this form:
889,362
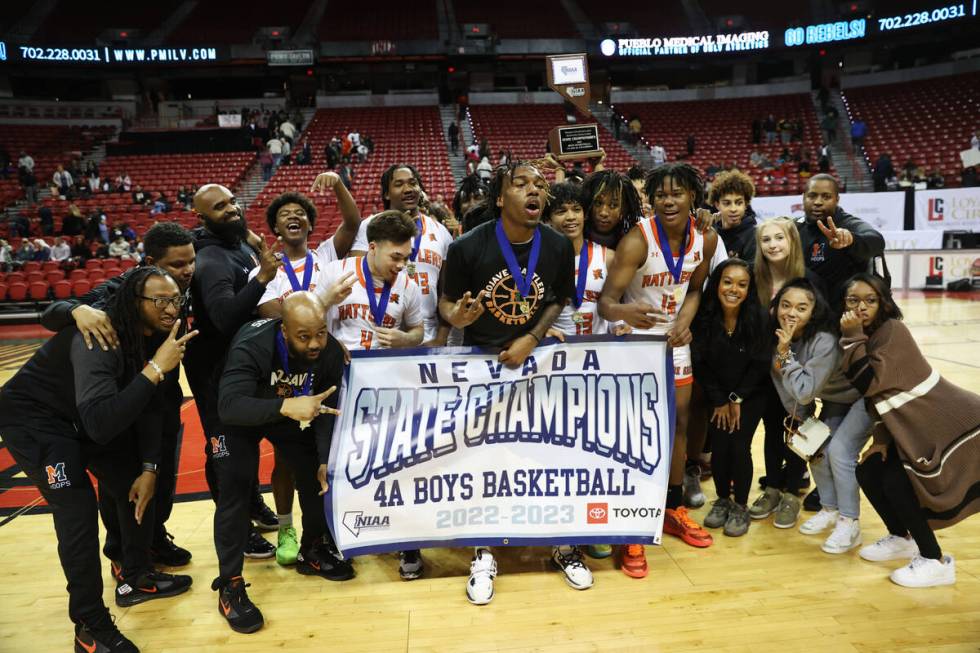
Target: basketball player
655,285
506,282
291,217
402,190
224,299
169,246
71,410
278,374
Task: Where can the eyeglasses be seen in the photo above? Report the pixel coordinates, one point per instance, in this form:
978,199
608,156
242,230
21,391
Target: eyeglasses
162,302
854,302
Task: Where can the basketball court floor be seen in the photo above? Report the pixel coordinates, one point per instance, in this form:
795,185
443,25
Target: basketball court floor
770,590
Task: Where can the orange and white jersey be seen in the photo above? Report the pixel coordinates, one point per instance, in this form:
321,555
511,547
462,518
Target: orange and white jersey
653,282
433,246
351,321
280,287
585,319
327,252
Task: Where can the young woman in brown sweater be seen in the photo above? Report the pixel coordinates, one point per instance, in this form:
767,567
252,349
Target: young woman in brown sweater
922,471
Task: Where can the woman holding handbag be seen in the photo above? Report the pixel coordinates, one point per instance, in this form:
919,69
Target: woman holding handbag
922,471
731,361
805,368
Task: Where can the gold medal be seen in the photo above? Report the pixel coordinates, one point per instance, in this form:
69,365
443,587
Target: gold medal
304,424
578,318
679,294
525,307
410,268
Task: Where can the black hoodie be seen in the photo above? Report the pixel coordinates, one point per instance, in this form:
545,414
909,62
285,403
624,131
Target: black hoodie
740,239
835,266
224,299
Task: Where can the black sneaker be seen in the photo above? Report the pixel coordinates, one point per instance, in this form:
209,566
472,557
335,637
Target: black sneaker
235,606
410,565
812,501
149,586
323,560
168,554
258,547
262,516
115,569
102,637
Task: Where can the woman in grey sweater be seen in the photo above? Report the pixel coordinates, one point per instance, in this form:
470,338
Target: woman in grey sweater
806,367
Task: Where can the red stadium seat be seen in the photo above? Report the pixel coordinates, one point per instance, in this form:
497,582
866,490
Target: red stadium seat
62,289
93,264
53,276
3,291
17,292
50,266
32,266
35,275
16,277
96,274
77,274
127,264
80,287
39,290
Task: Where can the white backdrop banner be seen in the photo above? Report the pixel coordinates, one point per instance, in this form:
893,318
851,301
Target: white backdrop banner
884,211
936,269
919,239
449,448
949,209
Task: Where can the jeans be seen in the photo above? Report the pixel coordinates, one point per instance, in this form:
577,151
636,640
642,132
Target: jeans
834,471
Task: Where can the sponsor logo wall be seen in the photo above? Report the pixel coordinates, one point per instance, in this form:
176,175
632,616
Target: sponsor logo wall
950,209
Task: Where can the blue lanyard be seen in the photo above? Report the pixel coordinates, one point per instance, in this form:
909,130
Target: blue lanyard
378,307
584,262
307,273
284,359
523,282
674,267
418,241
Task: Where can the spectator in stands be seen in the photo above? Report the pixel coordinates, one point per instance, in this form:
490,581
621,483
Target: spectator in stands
935,179
18,226
24,253
72,224
305,156
25,161
120,247
691,143
126,230
42,251
785,130
755,158
756,131
355,138
769,126
107,186
61,182
453,137
28,181
80,251
974,142
140,196
6,256
859,129
969,177
160,204
46,218
503,157
829,126
484,151
484,170
332,153
346,174
883,171
266,161
275,149
823,161
636,130
287,152
346,145
288,130
123,183
61,250
362,152
368,142
658,154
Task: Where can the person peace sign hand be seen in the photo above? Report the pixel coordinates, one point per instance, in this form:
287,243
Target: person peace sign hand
839,237
308,407
171,352
467,310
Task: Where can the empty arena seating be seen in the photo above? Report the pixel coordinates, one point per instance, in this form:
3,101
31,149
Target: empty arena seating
928,121
517,19
652,20
168,172
523,130
406,134
723,132
78,23
389,20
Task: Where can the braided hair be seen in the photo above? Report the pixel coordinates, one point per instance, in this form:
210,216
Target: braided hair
682,174
615,183
123,310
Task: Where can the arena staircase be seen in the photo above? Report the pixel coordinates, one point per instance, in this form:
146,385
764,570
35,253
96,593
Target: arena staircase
851,166
603,115
457,162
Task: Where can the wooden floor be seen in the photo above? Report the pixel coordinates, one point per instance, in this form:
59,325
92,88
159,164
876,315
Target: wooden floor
770,590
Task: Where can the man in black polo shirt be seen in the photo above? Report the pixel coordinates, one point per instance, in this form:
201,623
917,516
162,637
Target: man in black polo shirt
276,378
505,283
71,409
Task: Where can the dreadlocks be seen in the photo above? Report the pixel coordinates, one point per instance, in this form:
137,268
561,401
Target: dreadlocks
503,172
617,185
682,174
124,312
472,187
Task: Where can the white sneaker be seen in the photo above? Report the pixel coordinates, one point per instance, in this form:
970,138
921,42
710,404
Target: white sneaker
569,560
483,569
819,522
846,536
926,572
890,547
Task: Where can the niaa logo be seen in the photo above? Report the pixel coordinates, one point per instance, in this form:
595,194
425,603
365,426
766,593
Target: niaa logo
355,521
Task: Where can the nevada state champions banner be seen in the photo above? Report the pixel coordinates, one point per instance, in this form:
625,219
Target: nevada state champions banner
448,447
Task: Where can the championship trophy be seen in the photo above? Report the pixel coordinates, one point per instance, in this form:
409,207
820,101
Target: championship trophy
568,75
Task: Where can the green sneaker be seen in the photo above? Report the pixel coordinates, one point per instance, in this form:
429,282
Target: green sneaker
788,511
765,504
288,546
599,551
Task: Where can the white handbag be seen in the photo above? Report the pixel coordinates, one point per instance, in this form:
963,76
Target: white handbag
806,439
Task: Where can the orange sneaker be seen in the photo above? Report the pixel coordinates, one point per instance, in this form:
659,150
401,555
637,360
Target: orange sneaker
678,522
633,561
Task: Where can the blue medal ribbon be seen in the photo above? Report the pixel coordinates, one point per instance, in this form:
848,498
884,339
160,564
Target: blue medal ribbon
522,282
307,273
283,352
418,241
674,267
584,262
378,307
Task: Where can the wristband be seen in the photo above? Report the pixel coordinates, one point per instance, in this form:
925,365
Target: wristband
149,467
152,363
536,339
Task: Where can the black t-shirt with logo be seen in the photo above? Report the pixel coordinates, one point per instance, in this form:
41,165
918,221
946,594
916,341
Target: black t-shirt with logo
475,262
